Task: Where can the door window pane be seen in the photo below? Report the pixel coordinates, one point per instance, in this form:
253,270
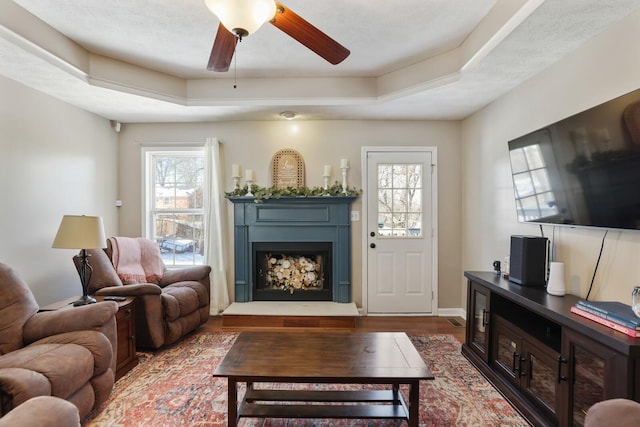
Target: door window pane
384,176
384,201
400,200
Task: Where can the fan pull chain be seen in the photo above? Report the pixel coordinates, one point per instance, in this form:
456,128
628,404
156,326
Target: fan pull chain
235,67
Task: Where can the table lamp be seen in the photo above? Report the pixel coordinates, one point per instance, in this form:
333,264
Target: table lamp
81,232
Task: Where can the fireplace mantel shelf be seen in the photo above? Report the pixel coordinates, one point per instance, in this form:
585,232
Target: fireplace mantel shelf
293,199
292,219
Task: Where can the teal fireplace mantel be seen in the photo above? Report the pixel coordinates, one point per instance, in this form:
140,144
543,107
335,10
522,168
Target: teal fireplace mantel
292,219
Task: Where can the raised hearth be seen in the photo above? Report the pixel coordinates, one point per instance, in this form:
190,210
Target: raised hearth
295,223
309,314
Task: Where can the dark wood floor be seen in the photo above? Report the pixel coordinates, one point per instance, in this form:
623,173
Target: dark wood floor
418,325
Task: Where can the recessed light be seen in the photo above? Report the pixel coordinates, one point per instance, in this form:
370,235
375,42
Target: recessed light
289,115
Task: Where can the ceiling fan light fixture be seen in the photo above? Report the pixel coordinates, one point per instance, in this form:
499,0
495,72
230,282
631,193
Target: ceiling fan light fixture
242,17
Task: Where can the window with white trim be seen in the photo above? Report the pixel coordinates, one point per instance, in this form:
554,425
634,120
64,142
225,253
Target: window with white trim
174,209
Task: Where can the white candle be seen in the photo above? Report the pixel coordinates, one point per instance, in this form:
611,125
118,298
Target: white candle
327,170
248,175
235,170
344,163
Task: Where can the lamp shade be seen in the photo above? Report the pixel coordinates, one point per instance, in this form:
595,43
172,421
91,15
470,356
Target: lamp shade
242,17
80,232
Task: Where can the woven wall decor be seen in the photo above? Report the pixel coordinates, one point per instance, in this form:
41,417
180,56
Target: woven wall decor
287,169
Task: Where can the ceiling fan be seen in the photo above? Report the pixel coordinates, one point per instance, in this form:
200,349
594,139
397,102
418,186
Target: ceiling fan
240,18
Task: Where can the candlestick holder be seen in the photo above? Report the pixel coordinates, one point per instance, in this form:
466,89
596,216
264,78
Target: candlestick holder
344,179
249,182
326,182
236,182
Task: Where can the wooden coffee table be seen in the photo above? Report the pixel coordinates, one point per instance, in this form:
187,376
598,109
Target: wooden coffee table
313,357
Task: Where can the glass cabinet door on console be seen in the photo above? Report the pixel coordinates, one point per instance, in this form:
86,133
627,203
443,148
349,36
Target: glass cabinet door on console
528,364
595,373
478,320
540,378
507,353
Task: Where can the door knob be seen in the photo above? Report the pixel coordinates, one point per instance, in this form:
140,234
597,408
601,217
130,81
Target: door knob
372,234
372,246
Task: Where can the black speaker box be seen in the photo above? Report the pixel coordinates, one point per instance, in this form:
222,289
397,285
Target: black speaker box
528,260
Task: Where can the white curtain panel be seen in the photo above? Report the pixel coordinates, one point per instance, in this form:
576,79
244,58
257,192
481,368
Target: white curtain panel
216,217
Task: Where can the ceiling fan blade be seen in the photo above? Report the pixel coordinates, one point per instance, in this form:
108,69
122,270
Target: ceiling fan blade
301,30
222,51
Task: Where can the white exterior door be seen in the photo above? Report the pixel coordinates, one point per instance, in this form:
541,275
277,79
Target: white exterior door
399,227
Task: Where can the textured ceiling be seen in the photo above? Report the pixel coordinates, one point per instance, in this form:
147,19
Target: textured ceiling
176,36
137,61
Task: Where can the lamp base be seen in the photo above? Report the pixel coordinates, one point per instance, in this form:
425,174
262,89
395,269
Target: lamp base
84,300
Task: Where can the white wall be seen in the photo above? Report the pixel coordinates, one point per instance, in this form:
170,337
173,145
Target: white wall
54,160
252,145
606,67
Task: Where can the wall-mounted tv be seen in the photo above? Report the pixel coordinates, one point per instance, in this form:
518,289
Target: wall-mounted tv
582,171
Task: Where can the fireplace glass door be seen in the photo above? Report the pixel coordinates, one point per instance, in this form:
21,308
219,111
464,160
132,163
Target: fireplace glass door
292,271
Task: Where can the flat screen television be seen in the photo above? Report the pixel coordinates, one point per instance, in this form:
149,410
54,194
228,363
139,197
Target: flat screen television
582,171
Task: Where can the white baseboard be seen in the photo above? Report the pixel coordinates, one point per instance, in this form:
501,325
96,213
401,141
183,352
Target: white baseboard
452,312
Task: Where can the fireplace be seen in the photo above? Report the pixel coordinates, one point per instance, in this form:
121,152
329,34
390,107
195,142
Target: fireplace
304,230
292,271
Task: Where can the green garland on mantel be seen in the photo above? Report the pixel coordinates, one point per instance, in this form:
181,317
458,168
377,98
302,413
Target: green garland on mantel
266,193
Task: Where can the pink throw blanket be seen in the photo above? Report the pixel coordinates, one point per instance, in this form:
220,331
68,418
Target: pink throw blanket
136,259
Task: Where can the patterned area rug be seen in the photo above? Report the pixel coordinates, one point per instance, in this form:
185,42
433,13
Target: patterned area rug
175,387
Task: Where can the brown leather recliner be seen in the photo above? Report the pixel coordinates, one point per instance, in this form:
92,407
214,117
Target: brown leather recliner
42,411
172,303
68,353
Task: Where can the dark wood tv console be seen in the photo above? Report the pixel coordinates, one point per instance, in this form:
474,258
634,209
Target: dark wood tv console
548,362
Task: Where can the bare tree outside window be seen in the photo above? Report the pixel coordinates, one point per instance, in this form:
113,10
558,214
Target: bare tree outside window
176,208
400,200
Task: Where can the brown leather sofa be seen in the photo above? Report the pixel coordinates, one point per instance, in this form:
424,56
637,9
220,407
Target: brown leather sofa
172,303
68,353
43,411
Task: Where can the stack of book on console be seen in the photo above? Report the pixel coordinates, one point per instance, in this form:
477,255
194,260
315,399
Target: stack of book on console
613,314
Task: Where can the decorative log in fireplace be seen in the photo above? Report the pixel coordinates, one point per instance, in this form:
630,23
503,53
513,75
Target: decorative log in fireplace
296,271
295,224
